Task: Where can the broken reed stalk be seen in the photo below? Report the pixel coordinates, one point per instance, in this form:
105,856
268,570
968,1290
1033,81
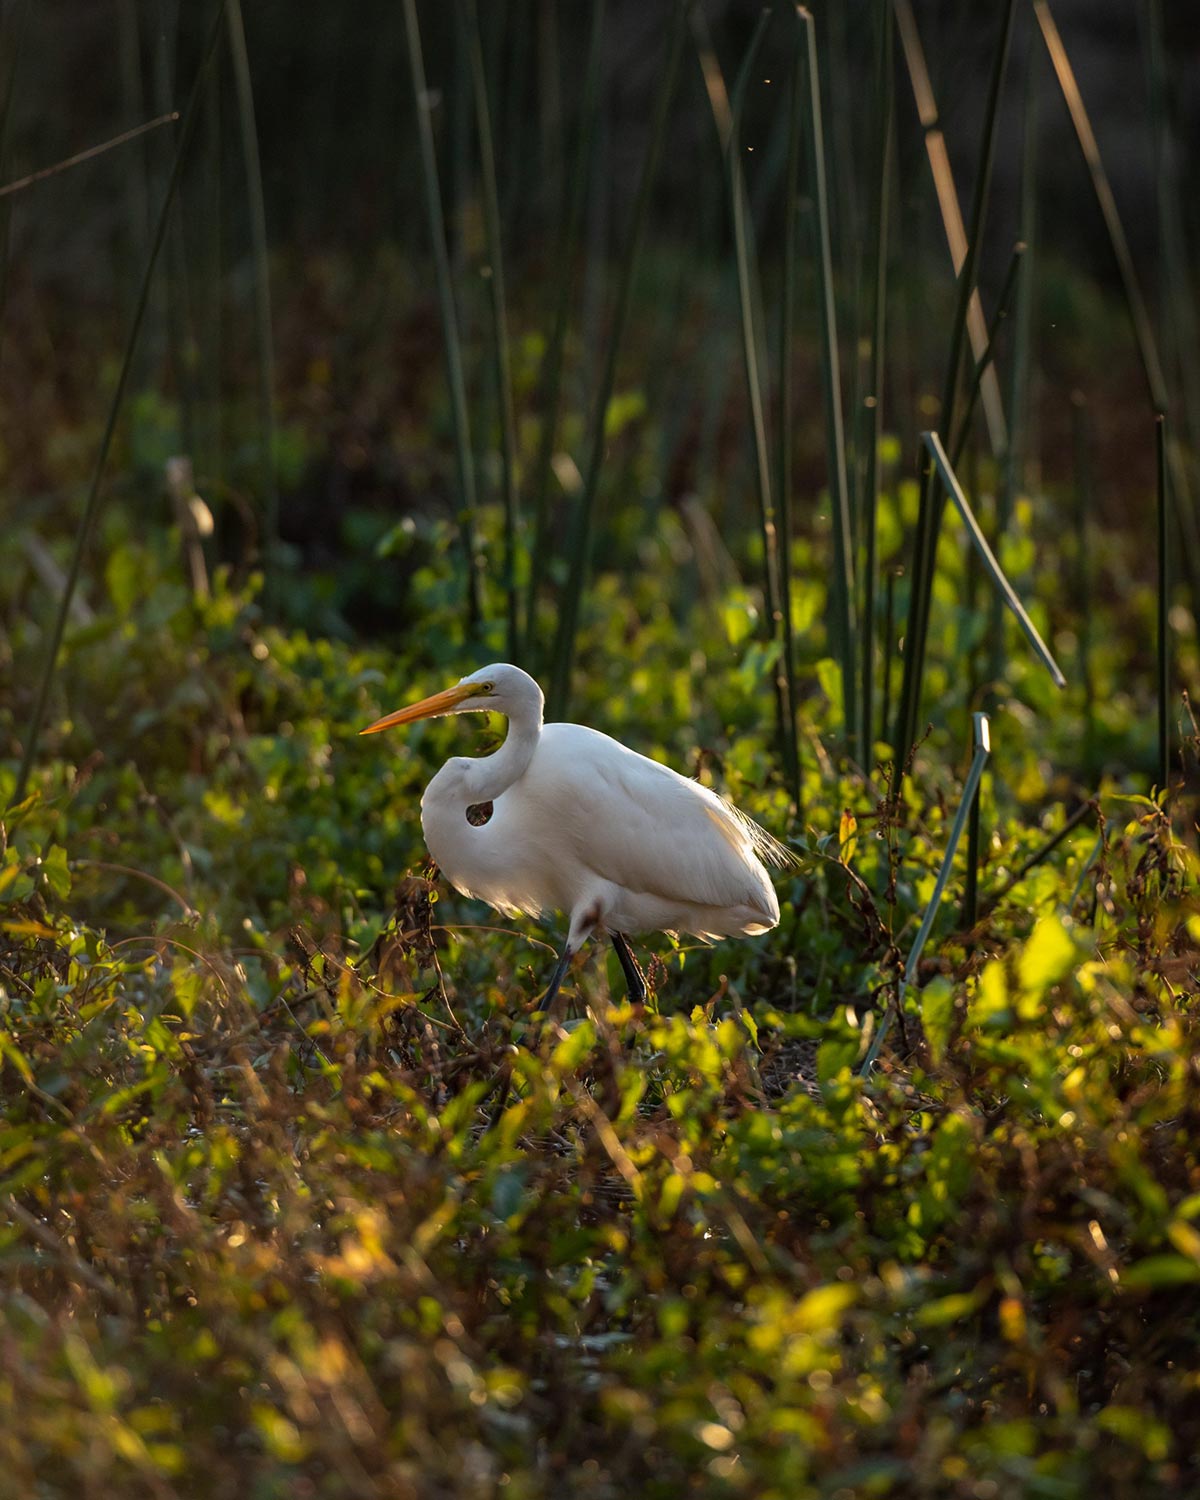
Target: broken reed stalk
92,504
464,458
581,542
949,479
500,347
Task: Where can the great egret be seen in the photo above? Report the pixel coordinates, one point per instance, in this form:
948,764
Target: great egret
563,818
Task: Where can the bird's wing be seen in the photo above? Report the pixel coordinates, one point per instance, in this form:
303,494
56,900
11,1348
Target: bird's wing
644,827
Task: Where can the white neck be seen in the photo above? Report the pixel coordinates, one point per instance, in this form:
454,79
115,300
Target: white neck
491,775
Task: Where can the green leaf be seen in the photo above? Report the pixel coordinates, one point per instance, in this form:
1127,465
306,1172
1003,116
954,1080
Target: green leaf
55,871
1048,957
937,1015
1160,1271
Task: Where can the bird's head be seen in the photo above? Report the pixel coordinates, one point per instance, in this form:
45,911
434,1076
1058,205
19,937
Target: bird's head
500,688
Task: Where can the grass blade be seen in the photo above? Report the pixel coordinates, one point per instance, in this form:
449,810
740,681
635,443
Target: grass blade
464,458
581,545
92,504
843,542
491,222
948,478
248,129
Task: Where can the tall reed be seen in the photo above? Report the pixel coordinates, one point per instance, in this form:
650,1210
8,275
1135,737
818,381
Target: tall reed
778,623
469,18
264,334
12,36
932,495
843,599
885,95
464,457
92,503
581,540
550,382
783,432
1178,324
1020,410
949,208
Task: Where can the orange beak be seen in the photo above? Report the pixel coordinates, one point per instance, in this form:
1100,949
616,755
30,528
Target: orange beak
428,708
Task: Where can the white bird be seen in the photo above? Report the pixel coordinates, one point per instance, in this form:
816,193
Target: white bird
563,818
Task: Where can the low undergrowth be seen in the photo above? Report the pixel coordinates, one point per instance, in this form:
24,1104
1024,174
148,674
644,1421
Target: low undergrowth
302,1195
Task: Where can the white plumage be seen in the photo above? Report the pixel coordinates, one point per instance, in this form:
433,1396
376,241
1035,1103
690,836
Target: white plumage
563,818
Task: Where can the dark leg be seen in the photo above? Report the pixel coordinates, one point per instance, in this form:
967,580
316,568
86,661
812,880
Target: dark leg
635,980
556,979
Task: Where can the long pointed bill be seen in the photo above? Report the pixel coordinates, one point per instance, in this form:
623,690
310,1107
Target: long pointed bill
428,708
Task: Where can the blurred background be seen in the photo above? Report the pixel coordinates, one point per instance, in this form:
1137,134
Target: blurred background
305,378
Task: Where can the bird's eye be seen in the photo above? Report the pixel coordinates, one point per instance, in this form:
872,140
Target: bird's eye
486,687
